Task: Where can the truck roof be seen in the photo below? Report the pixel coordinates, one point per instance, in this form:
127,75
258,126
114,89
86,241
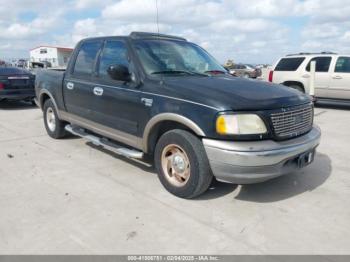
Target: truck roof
141,35
306,53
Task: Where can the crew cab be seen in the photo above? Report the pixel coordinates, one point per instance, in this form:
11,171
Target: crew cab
158,95
332,77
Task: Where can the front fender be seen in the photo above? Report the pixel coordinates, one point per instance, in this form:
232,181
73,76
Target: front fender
169,117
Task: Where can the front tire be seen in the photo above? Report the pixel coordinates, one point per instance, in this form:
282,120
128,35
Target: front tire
53,125
182,164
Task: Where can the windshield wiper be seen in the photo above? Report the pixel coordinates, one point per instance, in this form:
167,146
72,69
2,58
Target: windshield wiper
178,72
216,72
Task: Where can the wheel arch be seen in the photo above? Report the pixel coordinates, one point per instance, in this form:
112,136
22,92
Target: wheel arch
164,122
291,82
45,95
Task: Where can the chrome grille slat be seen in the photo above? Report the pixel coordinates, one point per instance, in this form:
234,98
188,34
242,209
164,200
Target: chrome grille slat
286,118
289,118
293,121
282,117
302,131
294,111
292,126
300,125
296,133
293,131
276,125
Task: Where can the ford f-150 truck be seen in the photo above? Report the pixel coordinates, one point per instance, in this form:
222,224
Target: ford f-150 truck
162,96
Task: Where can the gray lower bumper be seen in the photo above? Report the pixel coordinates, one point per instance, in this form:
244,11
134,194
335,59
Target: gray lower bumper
258,161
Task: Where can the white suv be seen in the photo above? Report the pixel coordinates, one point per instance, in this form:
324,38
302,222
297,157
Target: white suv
332,78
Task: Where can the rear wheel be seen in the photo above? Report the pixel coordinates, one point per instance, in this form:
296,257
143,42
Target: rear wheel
182,164
54,126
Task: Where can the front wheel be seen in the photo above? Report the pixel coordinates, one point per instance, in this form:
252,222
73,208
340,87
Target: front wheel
182,164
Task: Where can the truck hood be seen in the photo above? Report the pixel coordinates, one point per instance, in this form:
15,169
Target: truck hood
233,93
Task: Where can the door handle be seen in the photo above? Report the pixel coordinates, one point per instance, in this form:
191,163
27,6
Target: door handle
70,85
337,77
98,91
306,76
147,101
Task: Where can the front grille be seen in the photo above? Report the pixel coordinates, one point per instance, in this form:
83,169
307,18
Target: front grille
292,122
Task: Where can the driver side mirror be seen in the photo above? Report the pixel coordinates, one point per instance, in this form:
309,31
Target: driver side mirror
119,72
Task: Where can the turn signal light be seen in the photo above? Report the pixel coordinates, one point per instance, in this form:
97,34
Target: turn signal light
221,125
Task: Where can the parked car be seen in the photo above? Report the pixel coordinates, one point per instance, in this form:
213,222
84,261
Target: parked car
162,96
332,77
247,71
16,84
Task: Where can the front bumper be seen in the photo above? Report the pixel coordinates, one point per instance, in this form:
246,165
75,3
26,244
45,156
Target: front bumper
19,94
258,161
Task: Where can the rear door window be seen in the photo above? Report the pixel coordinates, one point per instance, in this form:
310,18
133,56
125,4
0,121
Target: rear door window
342,65
322,63
85,62
289,64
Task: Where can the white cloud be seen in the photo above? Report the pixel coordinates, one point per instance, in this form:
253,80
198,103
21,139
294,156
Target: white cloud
84,28
222,27
38,26
257,31
346,36
263,8
321,31
5,46
83,4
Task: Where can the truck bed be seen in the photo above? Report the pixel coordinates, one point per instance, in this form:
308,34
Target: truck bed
52,81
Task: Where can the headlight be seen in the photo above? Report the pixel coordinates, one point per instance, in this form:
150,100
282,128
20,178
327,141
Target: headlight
240,124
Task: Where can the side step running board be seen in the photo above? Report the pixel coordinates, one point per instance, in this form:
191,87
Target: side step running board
130,153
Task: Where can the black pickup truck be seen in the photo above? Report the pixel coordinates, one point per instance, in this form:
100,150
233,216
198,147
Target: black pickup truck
162,96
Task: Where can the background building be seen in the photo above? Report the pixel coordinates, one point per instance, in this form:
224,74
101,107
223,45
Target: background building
56,56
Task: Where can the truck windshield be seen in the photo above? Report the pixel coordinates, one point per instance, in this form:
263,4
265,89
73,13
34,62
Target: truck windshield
172,57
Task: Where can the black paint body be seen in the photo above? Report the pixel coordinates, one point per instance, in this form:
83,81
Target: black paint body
198,98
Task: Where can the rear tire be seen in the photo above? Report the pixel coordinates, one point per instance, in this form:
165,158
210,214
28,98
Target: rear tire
53,125
182,164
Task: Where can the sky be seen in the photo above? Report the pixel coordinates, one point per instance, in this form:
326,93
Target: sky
252,31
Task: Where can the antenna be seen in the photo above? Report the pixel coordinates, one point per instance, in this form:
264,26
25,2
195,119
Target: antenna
157,16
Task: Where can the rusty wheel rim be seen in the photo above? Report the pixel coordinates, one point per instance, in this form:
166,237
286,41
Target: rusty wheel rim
175,165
